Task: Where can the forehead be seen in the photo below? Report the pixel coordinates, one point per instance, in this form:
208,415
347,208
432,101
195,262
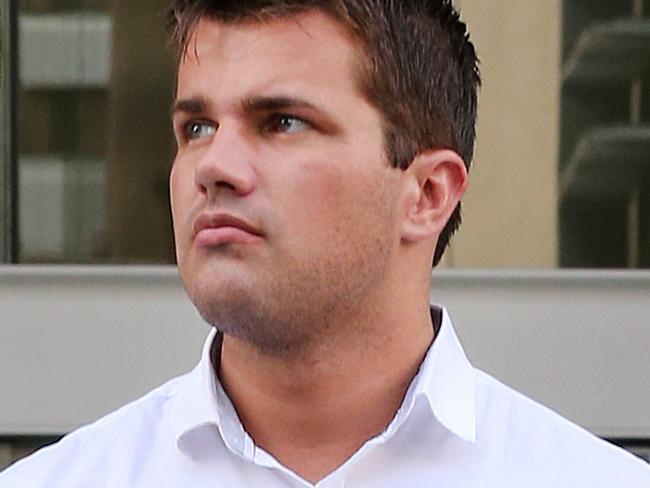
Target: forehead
310,48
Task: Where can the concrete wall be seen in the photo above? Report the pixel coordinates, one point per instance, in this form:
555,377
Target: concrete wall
76,343
510,208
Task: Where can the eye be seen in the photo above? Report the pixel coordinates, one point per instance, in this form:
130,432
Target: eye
198,128
287,124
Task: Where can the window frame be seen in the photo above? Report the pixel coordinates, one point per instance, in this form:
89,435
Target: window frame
8,107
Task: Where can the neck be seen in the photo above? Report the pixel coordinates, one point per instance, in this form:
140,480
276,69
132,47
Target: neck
313,411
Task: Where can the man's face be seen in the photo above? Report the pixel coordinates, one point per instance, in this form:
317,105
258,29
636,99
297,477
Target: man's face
282,199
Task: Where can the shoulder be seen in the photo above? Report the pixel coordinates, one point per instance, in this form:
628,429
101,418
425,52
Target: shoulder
83,457
538,440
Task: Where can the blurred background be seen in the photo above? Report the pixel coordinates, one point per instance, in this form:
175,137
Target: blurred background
561,177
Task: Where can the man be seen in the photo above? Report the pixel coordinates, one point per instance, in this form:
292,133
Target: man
322,150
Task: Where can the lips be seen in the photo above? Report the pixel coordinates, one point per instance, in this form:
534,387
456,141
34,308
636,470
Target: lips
221,228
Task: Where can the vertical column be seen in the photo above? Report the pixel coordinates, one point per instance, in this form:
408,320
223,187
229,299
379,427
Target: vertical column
635,214
644,190
634,203
140,146
511,205
8,167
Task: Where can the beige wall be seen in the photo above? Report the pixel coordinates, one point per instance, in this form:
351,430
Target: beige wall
510,208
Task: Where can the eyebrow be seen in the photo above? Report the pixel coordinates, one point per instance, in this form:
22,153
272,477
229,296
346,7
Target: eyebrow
274,103
190,105
250,105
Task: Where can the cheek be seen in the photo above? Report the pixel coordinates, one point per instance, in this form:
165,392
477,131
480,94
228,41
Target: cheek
181,185
321,192
174,195
330,203
181,189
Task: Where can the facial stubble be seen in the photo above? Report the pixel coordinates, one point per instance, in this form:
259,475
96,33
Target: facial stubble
306,299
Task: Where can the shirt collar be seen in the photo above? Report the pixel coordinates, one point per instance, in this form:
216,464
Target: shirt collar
201,405
445,379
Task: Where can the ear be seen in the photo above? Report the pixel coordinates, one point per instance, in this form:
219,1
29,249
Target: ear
436,181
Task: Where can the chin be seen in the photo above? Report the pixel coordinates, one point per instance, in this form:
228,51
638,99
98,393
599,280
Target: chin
219,295
250,311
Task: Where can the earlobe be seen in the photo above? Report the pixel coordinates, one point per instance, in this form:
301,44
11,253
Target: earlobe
438,179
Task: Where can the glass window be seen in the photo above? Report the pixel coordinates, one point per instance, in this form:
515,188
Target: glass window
93,137
605,146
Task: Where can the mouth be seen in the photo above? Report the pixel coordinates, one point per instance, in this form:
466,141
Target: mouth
220,228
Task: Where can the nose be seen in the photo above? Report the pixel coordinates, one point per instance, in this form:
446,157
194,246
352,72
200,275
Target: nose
225,166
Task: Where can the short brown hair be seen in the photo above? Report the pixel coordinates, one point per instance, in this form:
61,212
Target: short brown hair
420,68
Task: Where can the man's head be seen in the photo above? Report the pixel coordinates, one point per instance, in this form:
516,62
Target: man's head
417,66
318,157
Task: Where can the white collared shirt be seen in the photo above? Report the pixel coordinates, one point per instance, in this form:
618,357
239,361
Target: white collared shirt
457,427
